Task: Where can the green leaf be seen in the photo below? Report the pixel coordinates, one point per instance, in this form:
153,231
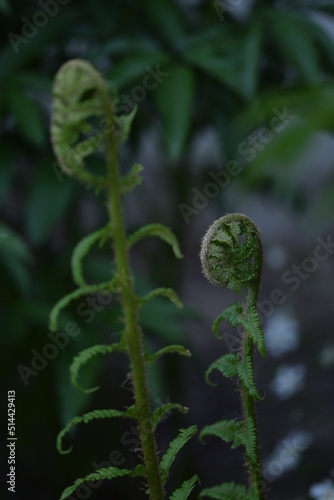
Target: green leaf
124,123
227,365
252,325
165,19
88,417
246,374
174,447
87,354
233,314
296,45
108,286
186,488
247,436
226,491
12,243
28,116
174,98
132,179
5,6
162,292
165,409
104,473
159,231
48,201
133,69
227,430
167,350
81,250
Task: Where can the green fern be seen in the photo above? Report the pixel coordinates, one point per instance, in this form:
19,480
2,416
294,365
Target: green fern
84,356
82,99
226,491
231,256
82,249
185,490
174,447
103,473
88,417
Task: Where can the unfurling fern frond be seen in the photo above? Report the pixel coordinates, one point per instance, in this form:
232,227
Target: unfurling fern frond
159,231
84,123
165,409
82,249
88,417
161,292
84,356
231,256
106,287
100,474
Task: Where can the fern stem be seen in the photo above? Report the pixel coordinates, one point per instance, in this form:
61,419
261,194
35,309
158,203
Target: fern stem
129,303
248,404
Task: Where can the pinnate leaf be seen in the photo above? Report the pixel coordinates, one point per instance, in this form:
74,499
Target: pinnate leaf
186,488
174,447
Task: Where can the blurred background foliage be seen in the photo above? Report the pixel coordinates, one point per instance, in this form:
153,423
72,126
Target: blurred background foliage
224,70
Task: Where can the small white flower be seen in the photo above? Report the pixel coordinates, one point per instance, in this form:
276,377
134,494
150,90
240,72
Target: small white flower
322,491
281,334
288,380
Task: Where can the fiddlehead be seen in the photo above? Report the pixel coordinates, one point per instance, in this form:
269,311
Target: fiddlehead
231,256
83,124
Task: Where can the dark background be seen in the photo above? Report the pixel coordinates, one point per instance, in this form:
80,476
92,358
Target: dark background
232,67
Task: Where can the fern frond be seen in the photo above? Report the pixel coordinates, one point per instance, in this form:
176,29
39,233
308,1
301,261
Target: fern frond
227,365
225,491
81,250
246,374
85,355
78,96
161,292
88,417
226,430
132,179
108,286
233,314
166,408
247,436
174,447
160,231
186,488
170,349
124,123
103,473
251,324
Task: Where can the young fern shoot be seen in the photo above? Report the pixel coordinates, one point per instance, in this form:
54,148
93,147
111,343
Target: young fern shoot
231,256
81,97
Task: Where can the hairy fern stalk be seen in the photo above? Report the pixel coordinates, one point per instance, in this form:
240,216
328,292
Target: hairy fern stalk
82,98
231,256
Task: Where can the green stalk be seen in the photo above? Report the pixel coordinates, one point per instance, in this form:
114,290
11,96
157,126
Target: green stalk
129,303
248,404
